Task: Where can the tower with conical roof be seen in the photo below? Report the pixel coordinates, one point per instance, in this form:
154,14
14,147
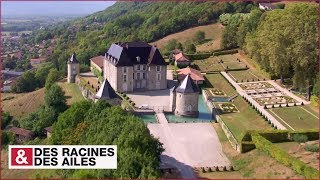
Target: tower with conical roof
186,98
107,93
73,68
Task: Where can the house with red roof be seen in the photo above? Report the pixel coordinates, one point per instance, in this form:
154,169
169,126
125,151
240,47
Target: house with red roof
97,63
21,135
195,75
181,60
35,61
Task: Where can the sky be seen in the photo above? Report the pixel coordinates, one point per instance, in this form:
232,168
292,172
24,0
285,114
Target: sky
18,8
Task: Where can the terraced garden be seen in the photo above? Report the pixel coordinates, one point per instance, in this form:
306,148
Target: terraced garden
298,117
245,76
230,61
211,64
246,119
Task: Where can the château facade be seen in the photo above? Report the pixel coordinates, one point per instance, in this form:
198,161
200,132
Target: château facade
135,66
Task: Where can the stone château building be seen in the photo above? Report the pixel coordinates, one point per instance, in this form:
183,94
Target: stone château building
135,66
184,98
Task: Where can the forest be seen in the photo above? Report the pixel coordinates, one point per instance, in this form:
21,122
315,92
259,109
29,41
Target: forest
128,21
283,41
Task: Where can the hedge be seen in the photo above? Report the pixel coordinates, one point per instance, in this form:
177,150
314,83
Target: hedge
198,56
283,157
271,135
312,134
232,51
247,146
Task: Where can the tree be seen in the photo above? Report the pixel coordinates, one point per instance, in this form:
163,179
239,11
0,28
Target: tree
7,138
53,76
99,123
190,47
55,98
25,83
5,120
42,73
199,37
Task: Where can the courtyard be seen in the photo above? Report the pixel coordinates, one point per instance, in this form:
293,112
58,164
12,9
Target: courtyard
200,147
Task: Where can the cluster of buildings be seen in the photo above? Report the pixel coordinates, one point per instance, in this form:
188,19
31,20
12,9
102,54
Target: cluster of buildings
138,66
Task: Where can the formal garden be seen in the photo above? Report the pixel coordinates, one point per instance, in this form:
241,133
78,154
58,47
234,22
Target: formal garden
228,108
274,99
231,62
246,76
210,64
214,92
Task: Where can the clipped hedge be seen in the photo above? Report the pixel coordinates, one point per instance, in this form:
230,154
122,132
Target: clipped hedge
271,135
283,157
312,134
232,51
247,146
198,56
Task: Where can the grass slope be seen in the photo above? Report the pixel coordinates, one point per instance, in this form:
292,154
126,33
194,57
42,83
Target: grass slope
23,104
213,34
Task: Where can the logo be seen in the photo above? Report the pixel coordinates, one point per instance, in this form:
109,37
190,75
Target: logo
21,157
62,157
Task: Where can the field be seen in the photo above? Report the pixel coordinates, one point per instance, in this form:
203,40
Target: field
72,91
213,35
230,62
254,164
238,122
208,65
298,117
22,104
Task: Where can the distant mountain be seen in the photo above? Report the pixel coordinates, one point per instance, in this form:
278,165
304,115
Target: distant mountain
49,8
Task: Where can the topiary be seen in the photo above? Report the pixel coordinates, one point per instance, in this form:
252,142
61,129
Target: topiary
300,138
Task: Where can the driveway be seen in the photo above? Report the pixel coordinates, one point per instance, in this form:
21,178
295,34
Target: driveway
189,145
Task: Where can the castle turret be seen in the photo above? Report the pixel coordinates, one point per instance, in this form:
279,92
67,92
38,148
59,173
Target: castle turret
73,68
187,96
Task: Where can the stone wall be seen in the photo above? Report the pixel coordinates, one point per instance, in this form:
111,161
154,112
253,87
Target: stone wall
233,141
85,91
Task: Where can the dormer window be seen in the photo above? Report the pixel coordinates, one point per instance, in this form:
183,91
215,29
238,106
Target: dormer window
138,59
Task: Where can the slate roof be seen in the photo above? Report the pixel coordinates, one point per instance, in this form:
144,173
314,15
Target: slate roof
106,91
73,59
130,53
187,86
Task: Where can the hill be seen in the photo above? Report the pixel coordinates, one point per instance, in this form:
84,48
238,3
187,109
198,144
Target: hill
130,21
213,34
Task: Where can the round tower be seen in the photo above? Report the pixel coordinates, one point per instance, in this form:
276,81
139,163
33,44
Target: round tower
187,96
73,68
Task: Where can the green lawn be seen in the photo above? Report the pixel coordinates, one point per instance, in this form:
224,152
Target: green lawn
208,65
230,62
245,75
72,92
240,122
296,117
218,81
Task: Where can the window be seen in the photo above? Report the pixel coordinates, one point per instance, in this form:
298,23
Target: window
144,67
124,69
143,75
138,67
124,78
158,76
74,67
132,75
138,76
158,68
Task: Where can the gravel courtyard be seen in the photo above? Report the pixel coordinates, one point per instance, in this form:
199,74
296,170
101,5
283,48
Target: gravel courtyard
189,145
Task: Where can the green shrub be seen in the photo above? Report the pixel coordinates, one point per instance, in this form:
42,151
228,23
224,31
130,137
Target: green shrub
247,146
301,138
312,134
312,147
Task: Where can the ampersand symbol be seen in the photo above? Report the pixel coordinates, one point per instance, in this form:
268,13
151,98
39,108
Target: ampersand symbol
20,159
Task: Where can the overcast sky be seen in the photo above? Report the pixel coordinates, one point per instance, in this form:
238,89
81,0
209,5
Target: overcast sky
52,8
